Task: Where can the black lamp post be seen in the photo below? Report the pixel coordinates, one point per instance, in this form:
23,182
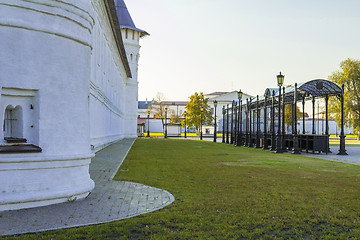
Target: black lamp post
227,123
257,123
273,134
223,125
283,121
265,147
239,136
185,113
201,116
342,150
280,81
303,107
247,123
215,123
250,124
148,128
296,137
235,124
232,123
165,122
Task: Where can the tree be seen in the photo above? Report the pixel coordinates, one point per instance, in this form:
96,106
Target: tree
157,107
193,109
349,75
175,119
289,113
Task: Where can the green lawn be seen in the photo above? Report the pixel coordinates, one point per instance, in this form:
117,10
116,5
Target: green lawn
227,192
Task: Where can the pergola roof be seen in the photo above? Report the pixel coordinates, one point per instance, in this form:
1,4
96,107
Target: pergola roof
320,88
317,88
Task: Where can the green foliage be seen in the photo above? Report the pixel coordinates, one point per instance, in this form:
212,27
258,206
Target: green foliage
175,119
349,75
193,109
288,115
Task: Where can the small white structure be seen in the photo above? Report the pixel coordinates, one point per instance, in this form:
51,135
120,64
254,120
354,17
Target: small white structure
68,89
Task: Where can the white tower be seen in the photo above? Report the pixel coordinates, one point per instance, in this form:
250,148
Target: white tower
131,36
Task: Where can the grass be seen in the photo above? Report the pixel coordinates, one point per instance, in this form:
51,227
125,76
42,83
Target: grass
226,192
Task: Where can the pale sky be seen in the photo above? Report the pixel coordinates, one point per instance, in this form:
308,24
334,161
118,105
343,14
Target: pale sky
225,45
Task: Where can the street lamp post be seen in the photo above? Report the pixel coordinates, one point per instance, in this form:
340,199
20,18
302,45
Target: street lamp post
257,123
232,123
247,124
235,124
223,125
250,125
215,123
296,137
165,122
227,123
201,116
239,136
148,127
273,134
279,149
185,113
342,150
283,121
265,147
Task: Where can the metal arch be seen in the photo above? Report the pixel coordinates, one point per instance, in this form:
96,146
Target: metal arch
320,88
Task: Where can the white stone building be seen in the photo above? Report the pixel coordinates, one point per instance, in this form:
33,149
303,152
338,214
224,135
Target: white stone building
68,81
224,99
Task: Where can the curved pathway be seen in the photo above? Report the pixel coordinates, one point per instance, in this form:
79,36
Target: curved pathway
109,201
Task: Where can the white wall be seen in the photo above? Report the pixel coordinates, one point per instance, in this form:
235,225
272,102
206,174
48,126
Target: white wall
45,61
60,65
131,40
113,96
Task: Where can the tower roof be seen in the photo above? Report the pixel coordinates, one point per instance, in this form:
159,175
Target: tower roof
125,19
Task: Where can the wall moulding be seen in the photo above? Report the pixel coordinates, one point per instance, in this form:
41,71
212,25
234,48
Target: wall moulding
37,16
19,92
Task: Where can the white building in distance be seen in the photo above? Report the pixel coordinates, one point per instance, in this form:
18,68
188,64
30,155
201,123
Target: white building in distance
68,82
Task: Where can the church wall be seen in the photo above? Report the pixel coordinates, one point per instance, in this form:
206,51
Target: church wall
113,96
45,62
62,76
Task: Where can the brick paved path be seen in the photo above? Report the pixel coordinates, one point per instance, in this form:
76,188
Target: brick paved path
109,201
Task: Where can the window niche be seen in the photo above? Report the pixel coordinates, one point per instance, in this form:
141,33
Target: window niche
19,115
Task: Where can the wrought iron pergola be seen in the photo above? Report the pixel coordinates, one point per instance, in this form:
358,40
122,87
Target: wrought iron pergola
267,133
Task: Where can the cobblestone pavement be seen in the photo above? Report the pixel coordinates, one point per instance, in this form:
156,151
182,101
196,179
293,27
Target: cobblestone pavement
109,201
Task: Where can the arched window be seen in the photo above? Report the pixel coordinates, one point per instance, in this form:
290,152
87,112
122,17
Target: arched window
13,122
131,58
